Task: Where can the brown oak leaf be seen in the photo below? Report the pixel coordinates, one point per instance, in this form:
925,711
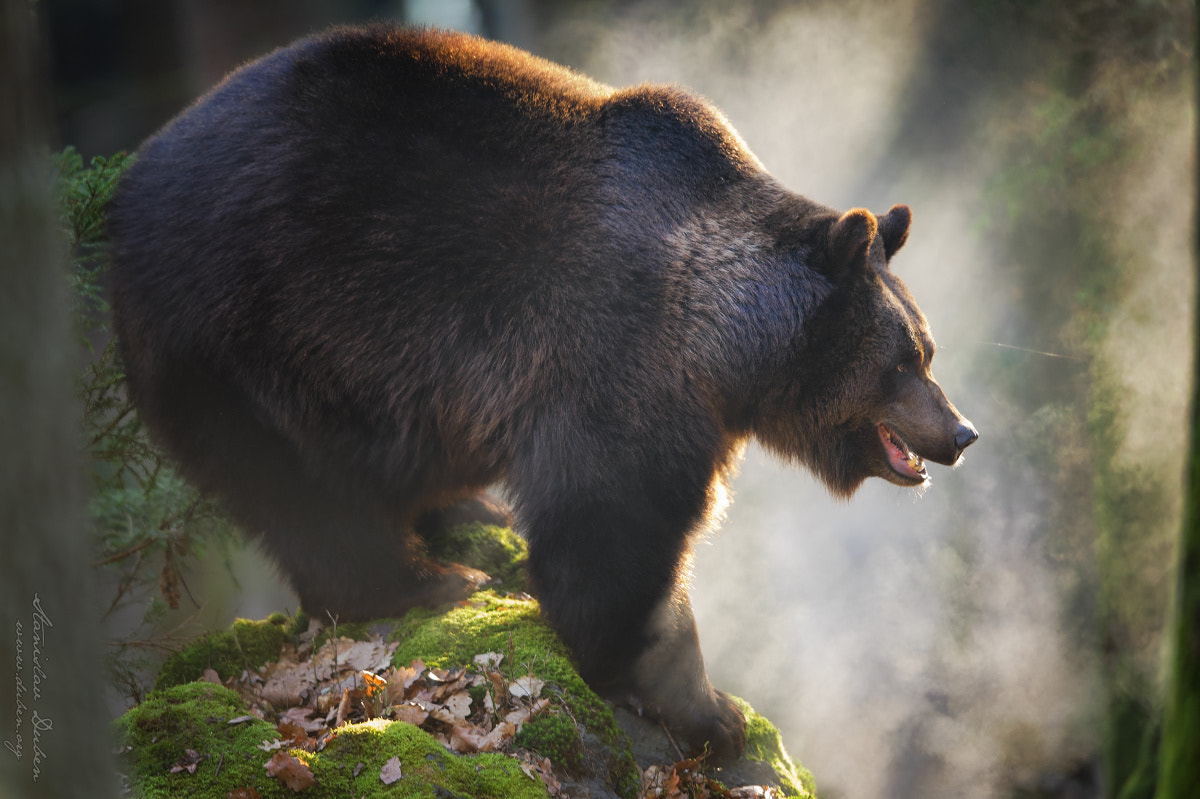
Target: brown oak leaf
293,734
410,713
291,771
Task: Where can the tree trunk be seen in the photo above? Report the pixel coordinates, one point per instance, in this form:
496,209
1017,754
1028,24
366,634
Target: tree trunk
53,724
1179,755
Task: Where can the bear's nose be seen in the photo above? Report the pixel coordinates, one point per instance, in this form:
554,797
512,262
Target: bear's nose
965,435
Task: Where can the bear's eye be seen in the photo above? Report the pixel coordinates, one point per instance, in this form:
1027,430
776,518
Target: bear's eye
909,363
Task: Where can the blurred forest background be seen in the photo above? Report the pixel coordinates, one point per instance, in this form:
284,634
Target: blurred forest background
1002,635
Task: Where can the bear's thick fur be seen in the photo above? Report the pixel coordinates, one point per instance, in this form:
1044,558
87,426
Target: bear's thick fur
379,270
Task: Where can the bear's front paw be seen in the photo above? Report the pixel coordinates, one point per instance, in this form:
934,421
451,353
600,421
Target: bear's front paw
718,728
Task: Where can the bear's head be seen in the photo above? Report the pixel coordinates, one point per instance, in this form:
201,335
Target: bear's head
865,401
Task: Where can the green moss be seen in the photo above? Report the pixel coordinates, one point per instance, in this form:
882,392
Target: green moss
426,765
514,628
196,716
245,645
156,733
764,745
498,551
557,737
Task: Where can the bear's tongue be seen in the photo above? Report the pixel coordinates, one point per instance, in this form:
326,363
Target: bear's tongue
900,457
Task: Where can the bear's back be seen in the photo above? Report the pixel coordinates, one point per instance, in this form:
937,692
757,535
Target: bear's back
419,215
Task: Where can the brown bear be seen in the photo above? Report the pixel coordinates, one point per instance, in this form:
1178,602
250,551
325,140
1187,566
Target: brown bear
377,271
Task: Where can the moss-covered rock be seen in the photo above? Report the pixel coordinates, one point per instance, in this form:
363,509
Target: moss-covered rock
156,735
764,745
245,645
513,627
590,747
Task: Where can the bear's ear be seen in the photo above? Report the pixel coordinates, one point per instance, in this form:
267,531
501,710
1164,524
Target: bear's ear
893,226
849,240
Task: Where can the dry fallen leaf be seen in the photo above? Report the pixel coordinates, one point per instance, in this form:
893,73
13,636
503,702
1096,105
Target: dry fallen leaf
291,771
300,716
527,686
390,772
413,714
287,683
243,793
459,705
465,739
343,711
524,714
539,768
187,762
293,734
503,732
339,655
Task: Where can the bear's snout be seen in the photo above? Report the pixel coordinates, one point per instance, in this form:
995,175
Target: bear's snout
965,436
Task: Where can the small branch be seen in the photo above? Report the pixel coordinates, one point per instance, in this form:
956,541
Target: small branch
122,555
667,732
122,413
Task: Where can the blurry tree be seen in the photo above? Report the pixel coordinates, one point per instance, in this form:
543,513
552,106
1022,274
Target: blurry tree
1179,766
55,725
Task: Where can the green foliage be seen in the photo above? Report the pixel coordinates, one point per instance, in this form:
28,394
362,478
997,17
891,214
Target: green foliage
146,520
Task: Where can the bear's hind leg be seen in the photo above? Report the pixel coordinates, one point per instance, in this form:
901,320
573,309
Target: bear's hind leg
352,562
346,550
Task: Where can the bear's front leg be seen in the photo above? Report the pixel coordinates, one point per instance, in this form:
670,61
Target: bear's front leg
606,562
670,681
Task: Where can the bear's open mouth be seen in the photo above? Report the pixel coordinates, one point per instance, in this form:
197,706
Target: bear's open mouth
903,460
